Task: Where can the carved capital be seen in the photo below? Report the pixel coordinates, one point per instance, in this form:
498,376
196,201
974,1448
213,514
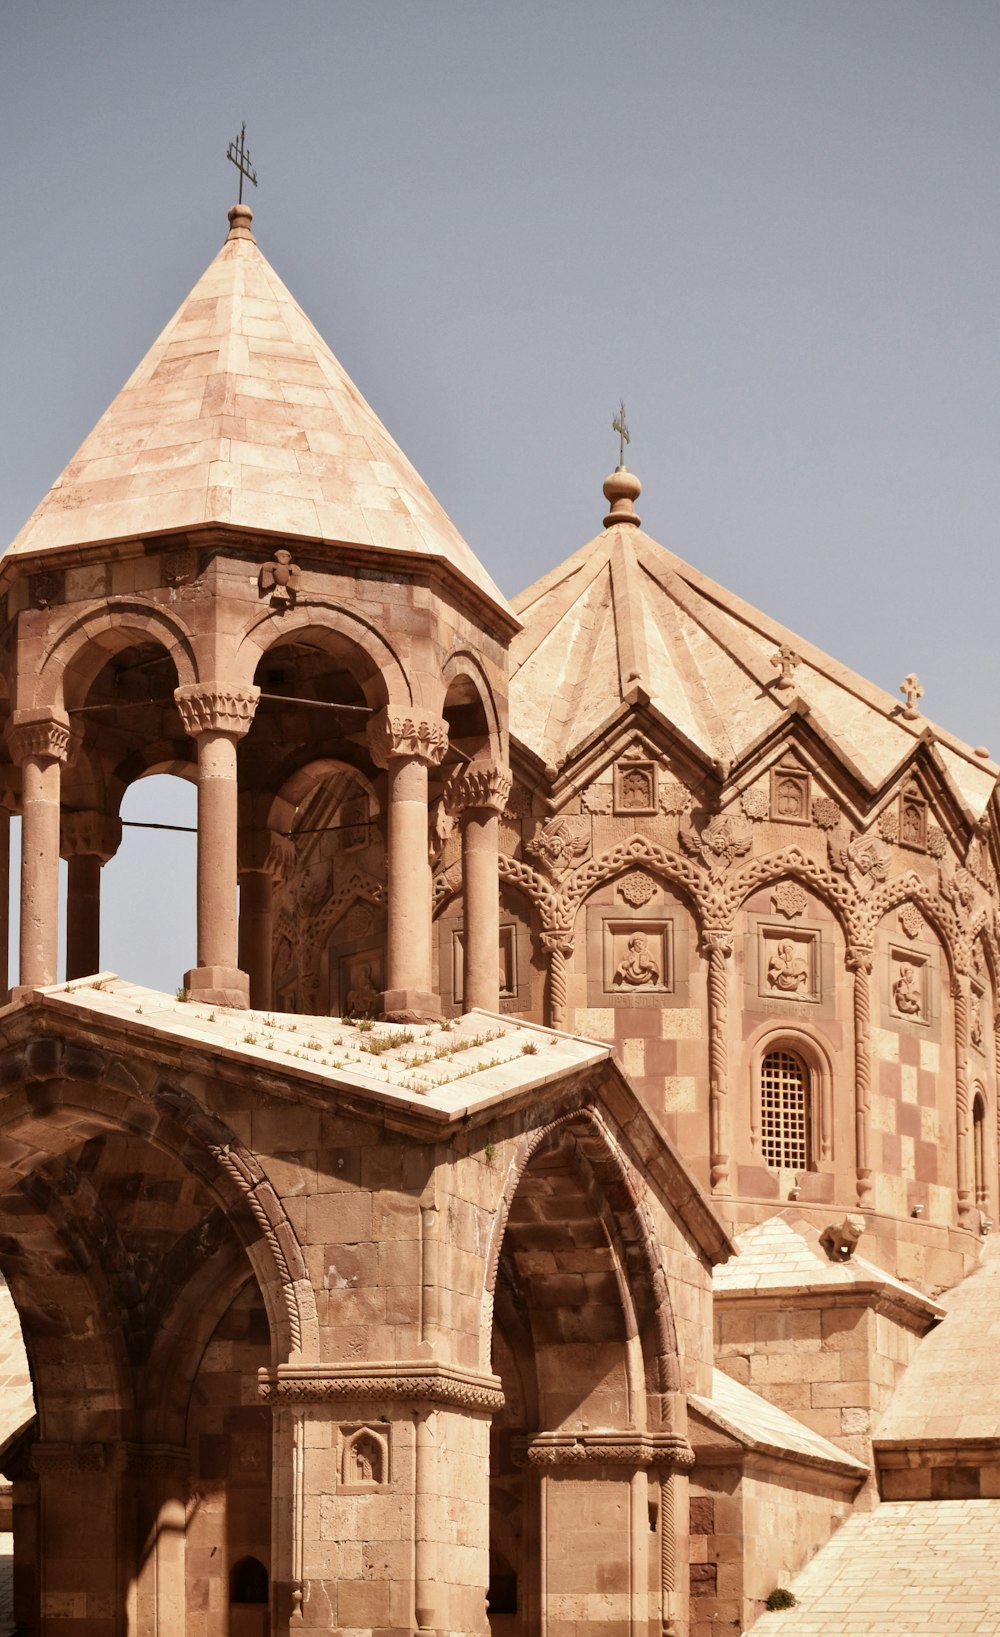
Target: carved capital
481,784
89,832
557,943
635,1450
46,735
391,733
720,938
209,707
859,958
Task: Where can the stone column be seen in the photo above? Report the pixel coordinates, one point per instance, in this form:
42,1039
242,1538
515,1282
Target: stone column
859,961
83,1569
406,747
263,857
479,795
559,947
8,805
718,946
217,717
39,743
87,839
960,996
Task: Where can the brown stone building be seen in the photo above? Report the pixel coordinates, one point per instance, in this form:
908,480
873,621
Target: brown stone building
385,1278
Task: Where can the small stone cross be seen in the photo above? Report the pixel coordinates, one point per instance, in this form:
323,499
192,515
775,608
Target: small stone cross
238,154
620,425
912,691
786,660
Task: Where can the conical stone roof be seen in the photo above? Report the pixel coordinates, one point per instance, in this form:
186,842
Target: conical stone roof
625,620
240,415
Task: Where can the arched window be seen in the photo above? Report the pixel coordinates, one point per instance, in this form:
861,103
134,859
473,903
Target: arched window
784,1111
979,1146
248,1581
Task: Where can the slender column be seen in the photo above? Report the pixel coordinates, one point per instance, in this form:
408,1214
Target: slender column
859,961
87,840
718,945
406,747
263,856
217,718
39,744
560,948
4,898
960,996
480,795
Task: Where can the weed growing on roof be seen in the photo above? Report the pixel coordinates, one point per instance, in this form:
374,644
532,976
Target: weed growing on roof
249,1040
388,1042
781,1598
182,994
529,1048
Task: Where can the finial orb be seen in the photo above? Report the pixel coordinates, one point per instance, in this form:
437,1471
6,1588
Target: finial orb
240,220
621,489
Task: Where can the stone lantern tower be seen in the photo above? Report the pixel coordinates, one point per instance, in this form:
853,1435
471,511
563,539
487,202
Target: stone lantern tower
240,578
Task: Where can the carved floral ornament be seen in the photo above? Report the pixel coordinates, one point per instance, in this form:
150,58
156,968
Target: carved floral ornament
911,920
212,708
481,784
756,802
637,888
46,737
90,834
417,738
789,898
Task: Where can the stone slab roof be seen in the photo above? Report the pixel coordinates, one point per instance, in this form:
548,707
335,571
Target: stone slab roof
240,414
624,619
907,1569
778,1256
951,1388
743,1415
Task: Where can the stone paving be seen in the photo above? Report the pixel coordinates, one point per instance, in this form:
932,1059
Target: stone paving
908,1569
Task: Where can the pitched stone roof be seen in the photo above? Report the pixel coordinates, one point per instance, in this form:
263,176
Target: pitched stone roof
625,620
240,414
762,1427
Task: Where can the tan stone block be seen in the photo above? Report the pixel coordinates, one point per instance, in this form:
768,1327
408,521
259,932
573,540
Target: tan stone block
682,1023
680,1094
339,1218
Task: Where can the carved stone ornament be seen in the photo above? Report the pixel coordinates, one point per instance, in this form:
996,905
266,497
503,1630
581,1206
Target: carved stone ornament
417,738
210,708
977,860
518,802
481,784
557,846
911,920
789,899
278,580
364,1456
888,824
635,785
637,888
179,567
937,842
725,837
89,833
826,813
597,798
625,1448
840,1239
422,1381
46,736
675,798
864,861
959,888
46,588
756,802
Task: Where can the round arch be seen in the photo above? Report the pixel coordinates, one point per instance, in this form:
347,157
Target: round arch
86,643
375,664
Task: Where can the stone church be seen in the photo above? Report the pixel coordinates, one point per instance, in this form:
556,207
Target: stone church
558,1198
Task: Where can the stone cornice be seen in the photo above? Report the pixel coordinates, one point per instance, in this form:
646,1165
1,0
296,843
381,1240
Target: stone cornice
627,1448
417,1380
56,1457
45,735
915,1311
416,737
210,707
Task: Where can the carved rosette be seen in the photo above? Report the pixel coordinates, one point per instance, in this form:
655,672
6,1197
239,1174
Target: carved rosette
47,738
211,708
391,734
89,833
481,784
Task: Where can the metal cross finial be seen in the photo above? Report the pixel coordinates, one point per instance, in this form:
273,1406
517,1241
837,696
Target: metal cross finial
786,660
620,425
912,691
239,155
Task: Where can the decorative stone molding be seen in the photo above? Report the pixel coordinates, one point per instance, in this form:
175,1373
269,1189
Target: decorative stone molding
717,944
66,1457
391,734
211,708
417,1380
47,735
90,833
859,960
481,784
626,1448
145,1459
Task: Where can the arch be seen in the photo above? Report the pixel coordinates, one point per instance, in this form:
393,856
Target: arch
83,646
910,888
299,786
249,1582
462,673
980,1170
790,864
821,886
804,1042
687,878
378,667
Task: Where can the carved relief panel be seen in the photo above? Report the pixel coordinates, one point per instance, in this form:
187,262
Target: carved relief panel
789,962
635,788
364,1457
910,986
790,795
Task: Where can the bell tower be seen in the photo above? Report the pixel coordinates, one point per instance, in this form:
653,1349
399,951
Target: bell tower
240,578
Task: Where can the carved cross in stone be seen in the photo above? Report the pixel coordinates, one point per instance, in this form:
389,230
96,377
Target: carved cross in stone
620,425
912,691
786,660
238,154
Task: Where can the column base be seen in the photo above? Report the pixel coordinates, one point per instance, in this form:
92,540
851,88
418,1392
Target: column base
218,986
409,1006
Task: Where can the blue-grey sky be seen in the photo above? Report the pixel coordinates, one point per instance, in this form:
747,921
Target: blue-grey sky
771,225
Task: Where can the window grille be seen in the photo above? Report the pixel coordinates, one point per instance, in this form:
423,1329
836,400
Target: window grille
784,1112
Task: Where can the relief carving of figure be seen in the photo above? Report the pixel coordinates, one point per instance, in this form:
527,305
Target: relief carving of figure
906,992
362,997
556,846
725,837
638,967
864,861
279,578
786,970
